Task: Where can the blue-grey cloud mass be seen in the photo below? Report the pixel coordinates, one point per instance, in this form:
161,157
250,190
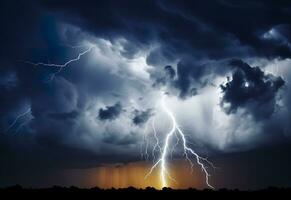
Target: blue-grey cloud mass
225,67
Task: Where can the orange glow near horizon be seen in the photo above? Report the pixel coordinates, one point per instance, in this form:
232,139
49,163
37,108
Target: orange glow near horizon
133,174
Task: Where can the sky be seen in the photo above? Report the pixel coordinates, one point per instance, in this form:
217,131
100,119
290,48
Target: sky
81,85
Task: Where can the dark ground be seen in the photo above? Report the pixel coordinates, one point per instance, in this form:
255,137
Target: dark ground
74,192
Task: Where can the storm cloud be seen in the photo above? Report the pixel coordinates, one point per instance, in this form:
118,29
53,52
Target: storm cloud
227,80
141,117
110,112
252,89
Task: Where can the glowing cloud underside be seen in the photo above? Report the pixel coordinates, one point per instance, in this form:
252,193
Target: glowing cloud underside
188,152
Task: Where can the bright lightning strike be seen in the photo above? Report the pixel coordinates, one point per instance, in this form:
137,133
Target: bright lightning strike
62,66
162,161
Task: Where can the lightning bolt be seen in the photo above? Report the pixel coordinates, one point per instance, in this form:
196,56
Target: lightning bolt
188,152
60,68
28,111
64,65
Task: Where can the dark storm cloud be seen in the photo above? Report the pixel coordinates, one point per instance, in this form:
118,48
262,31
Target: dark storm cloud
141,117
167,76
161,55
183,29
183,26
252,89
247,25
110,112
186,32
170,71
189,73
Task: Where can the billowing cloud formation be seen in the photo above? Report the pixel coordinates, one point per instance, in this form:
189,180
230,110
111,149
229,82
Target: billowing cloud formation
141,49
110,112
186,26
141,117
252,89
189,73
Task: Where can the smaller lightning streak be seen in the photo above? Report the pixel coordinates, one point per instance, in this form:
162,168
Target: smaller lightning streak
145,155
61,66
28,111
162,161
157,145
176,144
